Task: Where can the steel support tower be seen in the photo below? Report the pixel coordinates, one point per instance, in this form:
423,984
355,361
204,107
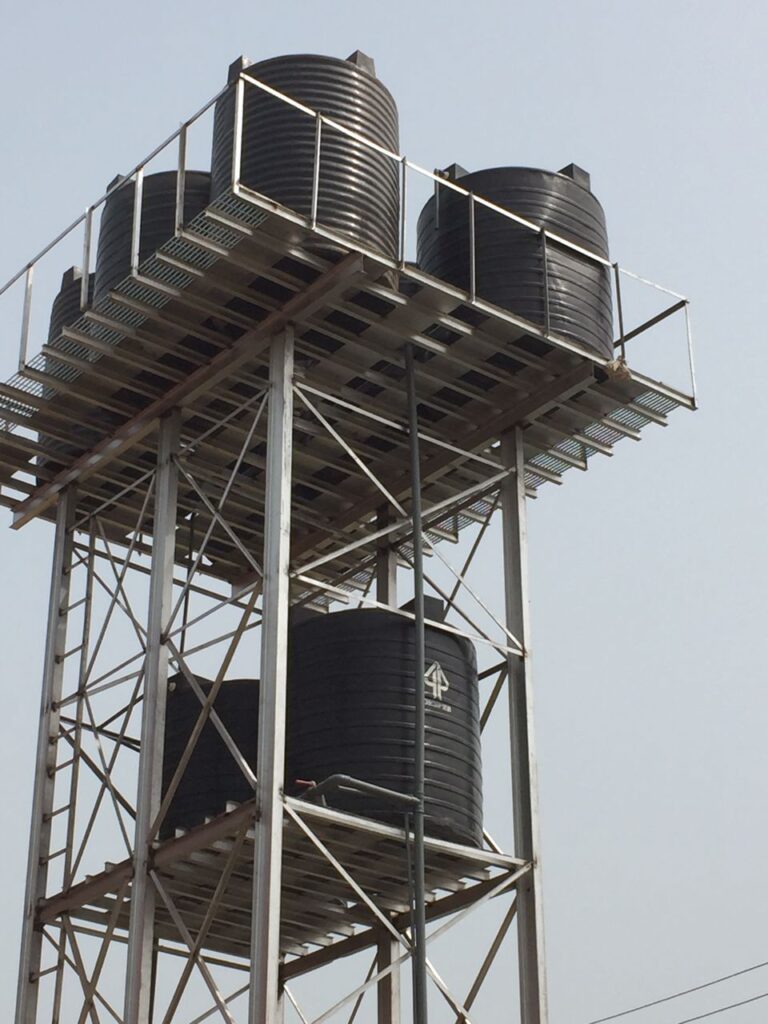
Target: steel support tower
235,430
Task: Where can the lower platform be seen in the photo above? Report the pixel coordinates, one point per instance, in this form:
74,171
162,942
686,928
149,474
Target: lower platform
322,915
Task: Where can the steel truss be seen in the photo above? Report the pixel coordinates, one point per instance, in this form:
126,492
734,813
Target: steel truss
276,887
258,418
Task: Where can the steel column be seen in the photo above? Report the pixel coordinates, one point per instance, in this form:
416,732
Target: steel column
388,989
138,984
386,561
45,763
533,992
265,1002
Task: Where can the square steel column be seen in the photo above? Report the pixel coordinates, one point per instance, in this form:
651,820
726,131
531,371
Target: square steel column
138,984
45,762
265,1006
530,926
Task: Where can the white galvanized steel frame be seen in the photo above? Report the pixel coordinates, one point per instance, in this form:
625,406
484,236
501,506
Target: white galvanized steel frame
147,902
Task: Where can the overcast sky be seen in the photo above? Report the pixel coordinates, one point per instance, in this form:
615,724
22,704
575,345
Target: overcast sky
648,572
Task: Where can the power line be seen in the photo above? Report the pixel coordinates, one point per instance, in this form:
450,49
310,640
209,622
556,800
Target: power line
686,992
722,1009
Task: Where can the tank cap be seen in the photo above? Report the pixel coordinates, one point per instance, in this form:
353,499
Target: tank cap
577,174
362,60
237,66
453,172
71,275
434,608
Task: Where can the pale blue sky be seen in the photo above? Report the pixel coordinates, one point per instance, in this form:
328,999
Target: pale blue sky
648,572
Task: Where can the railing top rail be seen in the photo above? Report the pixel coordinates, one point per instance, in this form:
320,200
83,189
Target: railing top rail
363,140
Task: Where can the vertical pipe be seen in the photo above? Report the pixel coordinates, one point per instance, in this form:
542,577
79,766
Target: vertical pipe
138,197
316,168
25,317
264,996
141,923
620,311
420,923
45,762
530,930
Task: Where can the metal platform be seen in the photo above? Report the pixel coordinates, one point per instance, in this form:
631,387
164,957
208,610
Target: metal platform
319,907
193,329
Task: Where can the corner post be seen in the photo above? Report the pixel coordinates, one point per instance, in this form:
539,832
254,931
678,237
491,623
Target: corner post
138,984
45,762
265,1001
530,926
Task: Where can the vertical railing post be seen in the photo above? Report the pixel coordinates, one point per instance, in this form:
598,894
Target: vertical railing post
181,180
138,197
403,210
620,311
530,929
472,250
316,169
87,235
26,316
45,764
689,340
545,266
264,996
237,138
141,923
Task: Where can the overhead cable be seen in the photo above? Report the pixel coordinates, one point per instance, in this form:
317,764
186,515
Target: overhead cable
685,992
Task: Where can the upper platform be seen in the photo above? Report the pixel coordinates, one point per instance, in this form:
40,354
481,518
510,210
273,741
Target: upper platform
191,329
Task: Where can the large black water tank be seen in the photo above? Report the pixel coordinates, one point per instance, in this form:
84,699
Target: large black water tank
65,308
509,264
351,702
359,193
158,216
212,777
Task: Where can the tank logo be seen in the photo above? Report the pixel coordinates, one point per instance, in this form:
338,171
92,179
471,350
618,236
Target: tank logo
437,683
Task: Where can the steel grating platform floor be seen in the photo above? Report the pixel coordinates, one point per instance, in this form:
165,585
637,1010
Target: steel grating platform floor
192,330
319,908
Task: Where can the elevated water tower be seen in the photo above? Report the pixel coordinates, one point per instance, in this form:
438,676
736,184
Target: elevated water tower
264,413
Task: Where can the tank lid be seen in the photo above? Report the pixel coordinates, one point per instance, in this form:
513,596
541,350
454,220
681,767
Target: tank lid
434,608
577,174
453,172
237,66
362,60
71,275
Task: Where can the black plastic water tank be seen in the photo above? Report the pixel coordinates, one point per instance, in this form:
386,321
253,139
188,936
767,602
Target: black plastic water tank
158,215
212,777
509,258
359,193
65,308
351,706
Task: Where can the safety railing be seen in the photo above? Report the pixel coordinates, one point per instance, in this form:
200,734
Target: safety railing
416,184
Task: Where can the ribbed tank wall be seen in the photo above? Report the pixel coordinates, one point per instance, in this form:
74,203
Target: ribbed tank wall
158,215
65,308
351,709
359,192
212,777
509,258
